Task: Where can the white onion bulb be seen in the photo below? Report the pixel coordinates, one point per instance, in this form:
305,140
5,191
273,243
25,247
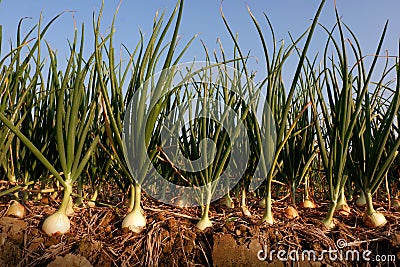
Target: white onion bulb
228,203
134,221
204,224
361,201
374,220
56,224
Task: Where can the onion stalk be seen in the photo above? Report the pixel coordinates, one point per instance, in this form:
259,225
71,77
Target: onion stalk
307,203
361,201
228,202
243,206
205,221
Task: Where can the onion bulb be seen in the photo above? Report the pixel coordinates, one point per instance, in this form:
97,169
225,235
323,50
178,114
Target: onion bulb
361,201
227,202
374,220
134,221
291,213
92,204
56,224
16,210
309,204
204,223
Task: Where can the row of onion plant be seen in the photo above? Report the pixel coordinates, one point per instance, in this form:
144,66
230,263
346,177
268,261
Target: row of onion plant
98,118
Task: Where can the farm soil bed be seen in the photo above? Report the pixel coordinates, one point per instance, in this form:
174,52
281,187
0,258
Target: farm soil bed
171,238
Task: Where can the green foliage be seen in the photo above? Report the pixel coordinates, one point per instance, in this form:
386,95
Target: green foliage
64,125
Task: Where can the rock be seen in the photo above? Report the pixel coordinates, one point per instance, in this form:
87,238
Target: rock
12,229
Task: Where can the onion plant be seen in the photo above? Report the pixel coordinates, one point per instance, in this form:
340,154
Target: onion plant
214,137
21,81
345,103
300,150
372,152
99,119
278,103
112,103
250,123
144,62
100,167
74,113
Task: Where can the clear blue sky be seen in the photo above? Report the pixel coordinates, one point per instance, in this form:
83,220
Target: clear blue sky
366,19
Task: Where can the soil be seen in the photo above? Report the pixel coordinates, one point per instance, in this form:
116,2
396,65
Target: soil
171,238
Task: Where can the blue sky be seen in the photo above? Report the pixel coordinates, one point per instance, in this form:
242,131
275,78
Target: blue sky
366,19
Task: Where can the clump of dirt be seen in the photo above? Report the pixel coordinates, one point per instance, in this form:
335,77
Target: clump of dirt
12,229
226,252
90,249
11,236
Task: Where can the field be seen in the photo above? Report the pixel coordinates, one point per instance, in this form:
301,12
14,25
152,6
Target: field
171,238
145,160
